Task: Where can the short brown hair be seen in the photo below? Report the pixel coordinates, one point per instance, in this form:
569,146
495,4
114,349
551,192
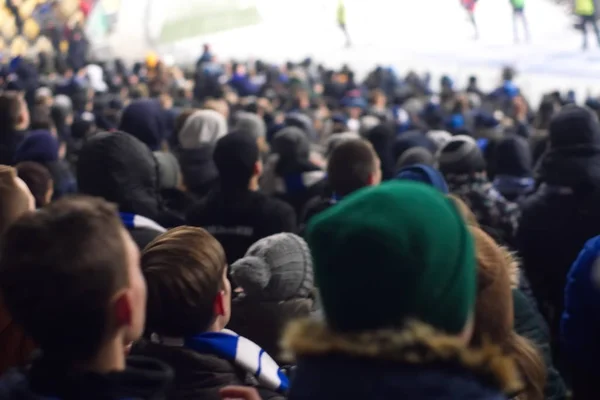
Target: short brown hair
59,269
351,165
184,270
11,104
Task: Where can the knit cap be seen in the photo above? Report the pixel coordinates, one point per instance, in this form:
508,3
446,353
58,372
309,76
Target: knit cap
424,174
251,124
15,198
276,268
461,155
513,157
392,253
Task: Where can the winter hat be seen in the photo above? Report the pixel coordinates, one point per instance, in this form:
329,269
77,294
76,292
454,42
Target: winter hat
440,138
494,305
415,155
424,174
145,120
204,127
461,156
235,156
39,146
412,139
37,178
252,124
303,122
169,171
292,143
574,126
276,268
15,198
388,254
513,157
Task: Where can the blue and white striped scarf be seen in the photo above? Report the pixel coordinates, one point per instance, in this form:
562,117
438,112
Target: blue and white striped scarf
241,351
133,221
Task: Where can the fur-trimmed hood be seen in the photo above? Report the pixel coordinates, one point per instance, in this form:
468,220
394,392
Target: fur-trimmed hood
417,344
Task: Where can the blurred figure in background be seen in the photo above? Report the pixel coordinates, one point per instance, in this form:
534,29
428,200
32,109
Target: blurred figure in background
341,17
586,9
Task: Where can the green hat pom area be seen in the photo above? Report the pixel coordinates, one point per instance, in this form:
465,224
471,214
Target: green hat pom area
393,253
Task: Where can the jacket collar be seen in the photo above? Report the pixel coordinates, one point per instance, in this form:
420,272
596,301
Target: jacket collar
417,344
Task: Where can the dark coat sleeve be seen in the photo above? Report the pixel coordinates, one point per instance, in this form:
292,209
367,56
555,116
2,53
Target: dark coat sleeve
530,324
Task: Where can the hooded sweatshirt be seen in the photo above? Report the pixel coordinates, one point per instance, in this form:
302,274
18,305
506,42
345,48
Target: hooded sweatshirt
145,120
121,169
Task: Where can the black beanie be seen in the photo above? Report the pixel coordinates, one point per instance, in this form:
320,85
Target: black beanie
461,155
512,157
574,126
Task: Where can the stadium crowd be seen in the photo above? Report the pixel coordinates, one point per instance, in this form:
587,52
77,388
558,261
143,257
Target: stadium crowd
258,231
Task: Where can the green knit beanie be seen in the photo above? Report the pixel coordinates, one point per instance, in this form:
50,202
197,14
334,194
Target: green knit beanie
392,253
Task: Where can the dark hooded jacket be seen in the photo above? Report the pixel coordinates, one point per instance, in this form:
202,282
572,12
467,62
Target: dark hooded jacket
47,379
382,138
513,169
297,179
43,148
563,213
9,142
121,169
145,120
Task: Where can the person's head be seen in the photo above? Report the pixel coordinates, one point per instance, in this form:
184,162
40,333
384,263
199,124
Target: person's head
145,120
188,289
255,126
95,305
14,114
202,128
119,168
424,174
39,146
413,241
15,197
218,105
353,165
461,156
276,268
39,181
574,126
291,143
513,157
237,159
169,170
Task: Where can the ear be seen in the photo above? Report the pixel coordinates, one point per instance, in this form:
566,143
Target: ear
123,309
258,168
219,305
371,180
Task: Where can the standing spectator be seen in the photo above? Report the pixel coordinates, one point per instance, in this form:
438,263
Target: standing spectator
580,323
15,201
128,178
421,267
43,147
145,119
14,122
513,167
254,125
519,13
352,165
277,280
235,212
83,338
197,139
38,180
563,213
189,305
463,166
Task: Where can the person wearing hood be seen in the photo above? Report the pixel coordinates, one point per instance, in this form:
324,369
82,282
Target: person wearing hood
513,168
463,165
424,174
563,213
145,120
128,177
14,122
197,139
290,174
382,138
235,211
170,181
39,181
42,147
277,280
85,320
255,126
388,333
413,148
